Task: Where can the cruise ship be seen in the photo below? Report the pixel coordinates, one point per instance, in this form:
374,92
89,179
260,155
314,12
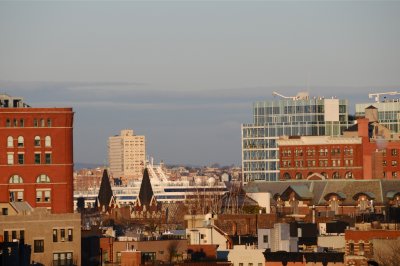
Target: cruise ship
164,189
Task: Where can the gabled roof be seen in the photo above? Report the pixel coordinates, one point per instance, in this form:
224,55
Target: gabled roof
369,195
302,192
146,191
392,194
105,192
340,195
371,107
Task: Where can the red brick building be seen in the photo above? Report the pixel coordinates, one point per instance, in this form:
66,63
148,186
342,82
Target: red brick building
36,158
366,151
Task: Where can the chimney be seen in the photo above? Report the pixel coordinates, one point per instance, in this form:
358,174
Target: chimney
363,127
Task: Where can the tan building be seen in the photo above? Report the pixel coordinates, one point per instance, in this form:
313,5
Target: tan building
127,154
55,239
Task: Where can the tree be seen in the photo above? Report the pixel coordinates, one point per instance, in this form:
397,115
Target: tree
386,251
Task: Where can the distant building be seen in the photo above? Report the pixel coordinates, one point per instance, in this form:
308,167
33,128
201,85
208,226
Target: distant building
127,155
37,160
290,116
367,150
388,114
55,239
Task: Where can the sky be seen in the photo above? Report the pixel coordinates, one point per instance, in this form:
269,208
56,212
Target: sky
185,73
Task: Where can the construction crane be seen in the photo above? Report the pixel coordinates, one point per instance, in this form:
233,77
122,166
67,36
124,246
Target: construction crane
377,95
301,95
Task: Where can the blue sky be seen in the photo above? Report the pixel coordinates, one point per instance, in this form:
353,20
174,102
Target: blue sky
185,74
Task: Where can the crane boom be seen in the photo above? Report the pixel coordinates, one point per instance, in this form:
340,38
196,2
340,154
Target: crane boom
300,95
377,95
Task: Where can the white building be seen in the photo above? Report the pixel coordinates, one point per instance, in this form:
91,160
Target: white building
277,238
127,154
242,255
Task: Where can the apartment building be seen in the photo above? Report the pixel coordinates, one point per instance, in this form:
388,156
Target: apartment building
127,155
36,159
55,239
299,115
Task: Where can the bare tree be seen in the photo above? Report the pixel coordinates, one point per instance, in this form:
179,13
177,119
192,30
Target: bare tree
386,251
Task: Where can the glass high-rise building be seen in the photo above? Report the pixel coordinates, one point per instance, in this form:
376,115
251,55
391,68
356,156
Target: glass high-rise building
290,116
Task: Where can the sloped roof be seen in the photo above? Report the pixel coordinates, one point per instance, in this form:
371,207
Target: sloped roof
21,206
105,192
302,191
146,191
320,188
371,107
391,194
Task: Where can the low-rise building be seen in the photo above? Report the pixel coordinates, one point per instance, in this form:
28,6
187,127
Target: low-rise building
55,239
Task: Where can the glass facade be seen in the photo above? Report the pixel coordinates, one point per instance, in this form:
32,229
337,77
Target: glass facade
388,113
290,117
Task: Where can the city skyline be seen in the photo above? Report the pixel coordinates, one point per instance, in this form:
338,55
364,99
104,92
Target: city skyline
185,75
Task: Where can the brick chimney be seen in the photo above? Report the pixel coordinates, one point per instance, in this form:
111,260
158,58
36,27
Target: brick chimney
363,127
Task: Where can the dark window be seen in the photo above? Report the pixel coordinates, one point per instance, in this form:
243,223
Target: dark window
4,211
394,152
14,235
265,238
8,123
35,122
37,141
48,158
55,235
38,246
6,236
48,122
21,123
37,158
20,159
62,234
21,234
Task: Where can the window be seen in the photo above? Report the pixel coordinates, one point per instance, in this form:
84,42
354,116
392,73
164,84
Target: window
14,235
62,235
70,235
10,142
16,179
21,234
35,122
20,141
47,141
21,123
361,249
265,238
351,249
48,122
43,179
8,122
42,122
64,259
37,158
48,158
394,152
15,122
37,141
394,174
6,237
20,158
55,239
38,246
394,163
16,195
4,211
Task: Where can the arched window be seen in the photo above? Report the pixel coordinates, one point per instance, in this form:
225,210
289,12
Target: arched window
20,141
47,141
10,141
335,175
349,175
286,176
37,141
16,179
299,176
43,179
